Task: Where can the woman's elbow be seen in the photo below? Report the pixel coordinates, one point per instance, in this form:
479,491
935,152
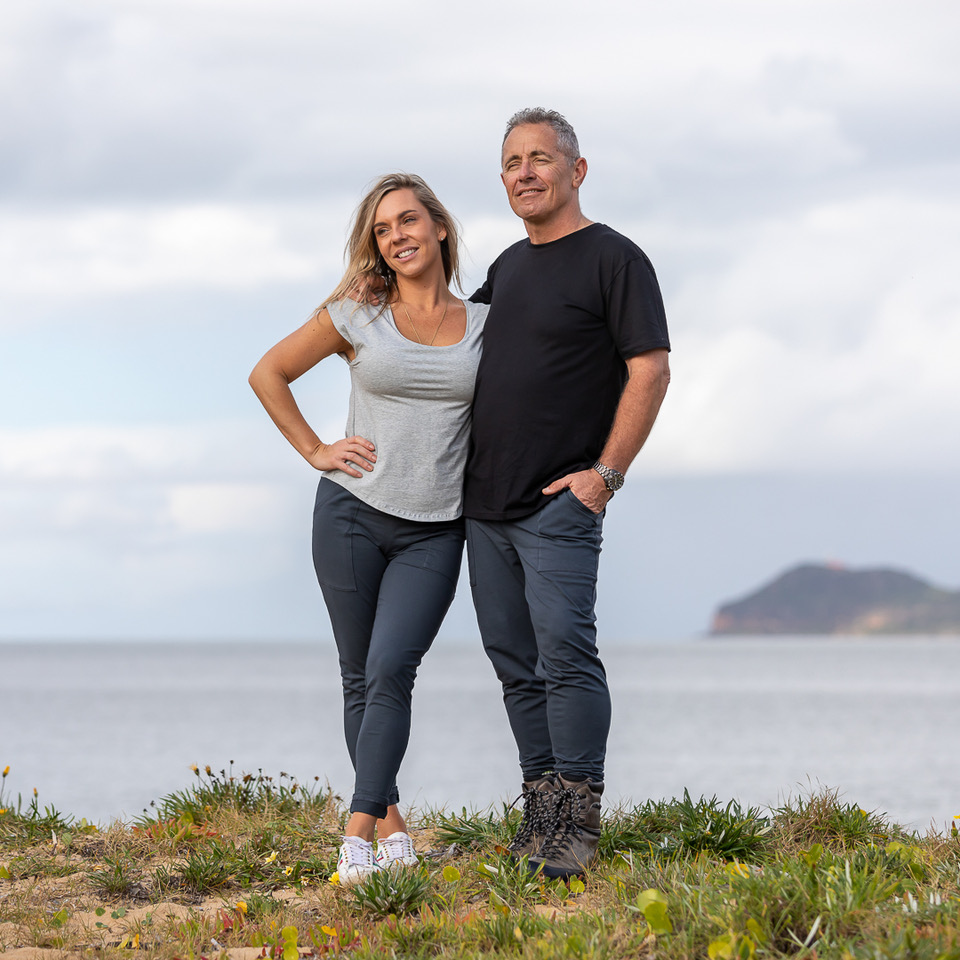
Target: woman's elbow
259,376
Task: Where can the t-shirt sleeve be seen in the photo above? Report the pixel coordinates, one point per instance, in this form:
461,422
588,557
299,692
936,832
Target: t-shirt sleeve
342,313
634,306
484,294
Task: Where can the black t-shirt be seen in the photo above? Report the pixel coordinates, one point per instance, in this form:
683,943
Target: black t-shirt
563,318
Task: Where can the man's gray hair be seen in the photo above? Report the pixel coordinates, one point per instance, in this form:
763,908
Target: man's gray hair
566,138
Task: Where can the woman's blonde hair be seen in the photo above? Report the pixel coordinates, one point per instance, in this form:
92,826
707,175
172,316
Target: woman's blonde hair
364,262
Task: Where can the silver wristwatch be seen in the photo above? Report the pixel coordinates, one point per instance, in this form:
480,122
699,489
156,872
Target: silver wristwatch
612,478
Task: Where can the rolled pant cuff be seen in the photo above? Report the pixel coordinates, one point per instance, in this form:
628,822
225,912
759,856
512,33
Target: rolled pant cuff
371,807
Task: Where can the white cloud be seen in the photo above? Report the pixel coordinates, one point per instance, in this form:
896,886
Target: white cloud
63,255
824,343
218,507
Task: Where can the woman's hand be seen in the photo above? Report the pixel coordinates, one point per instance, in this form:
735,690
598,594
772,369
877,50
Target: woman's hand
346,455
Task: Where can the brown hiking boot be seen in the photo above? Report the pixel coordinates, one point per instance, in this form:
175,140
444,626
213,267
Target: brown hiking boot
539,816
572,846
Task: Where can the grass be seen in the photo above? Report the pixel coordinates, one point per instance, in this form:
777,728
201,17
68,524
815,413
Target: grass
244,863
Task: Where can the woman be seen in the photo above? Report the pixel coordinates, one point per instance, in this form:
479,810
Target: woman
387,535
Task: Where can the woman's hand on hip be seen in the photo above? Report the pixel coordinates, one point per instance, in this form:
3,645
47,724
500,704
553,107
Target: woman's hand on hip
351,455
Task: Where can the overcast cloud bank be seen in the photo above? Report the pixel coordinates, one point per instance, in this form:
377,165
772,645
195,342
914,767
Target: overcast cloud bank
175,184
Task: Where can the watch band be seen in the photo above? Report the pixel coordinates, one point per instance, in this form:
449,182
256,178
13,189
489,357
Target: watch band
612,478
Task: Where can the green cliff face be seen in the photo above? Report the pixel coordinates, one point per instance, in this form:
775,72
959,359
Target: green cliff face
814,599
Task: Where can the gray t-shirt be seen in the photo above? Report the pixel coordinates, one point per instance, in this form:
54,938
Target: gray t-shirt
413,403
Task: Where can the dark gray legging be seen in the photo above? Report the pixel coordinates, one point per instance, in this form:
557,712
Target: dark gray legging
387,583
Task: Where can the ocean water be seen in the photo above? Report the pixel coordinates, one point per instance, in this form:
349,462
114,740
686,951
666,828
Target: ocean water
102,729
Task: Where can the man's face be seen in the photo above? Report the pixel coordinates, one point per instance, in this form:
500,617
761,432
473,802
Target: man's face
540,181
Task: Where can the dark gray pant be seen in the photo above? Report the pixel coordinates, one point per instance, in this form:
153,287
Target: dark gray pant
534,587
387,583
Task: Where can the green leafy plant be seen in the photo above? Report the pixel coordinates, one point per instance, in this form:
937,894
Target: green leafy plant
510,882
823,819
28,825
472,829
240,793
702,826
205,870
389,892
118,878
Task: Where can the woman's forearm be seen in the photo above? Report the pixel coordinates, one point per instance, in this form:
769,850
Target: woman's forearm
279,367
273,391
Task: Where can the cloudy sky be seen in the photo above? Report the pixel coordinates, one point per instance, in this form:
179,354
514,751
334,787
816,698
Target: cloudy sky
176,177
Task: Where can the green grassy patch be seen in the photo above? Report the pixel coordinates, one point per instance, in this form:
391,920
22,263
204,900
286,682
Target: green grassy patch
246,861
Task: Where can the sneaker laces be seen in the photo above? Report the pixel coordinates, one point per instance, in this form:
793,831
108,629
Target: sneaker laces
398,846
355,852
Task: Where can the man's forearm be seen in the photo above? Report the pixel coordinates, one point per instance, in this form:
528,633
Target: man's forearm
647,378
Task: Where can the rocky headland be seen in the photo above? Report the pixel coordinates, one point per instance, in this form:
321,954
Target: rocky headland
831,599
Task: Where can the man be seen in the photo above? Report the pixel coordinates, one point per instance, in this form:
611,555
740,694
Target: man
573,373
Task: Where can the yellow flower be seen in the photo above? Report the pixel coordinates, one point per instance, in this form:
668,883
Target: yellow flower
329,931
195,769
206,769
241,906
288,870
3,810
272,857
34,791
335,879
6,769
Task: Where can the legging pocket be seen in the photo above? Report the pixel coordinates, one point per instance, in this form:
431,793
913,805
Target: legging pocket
334,521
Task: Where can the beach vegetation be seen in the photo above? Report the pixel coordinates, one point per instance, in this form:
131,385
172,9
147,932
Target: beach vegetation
119,877
238,865
393,892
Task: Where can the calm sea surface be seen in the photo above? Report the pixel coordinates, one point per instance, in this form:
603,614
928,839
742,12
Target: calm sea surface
102,729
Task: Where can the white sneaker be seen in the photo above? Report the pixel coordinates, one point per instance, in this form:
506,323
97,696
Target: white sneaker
396,851
356,861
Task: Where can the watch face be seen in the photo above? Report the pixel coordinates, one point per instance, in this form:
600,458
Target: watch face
612,478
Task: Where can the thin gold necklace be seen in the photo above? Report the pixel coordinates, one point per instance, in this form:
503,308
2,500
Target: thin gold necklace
417,332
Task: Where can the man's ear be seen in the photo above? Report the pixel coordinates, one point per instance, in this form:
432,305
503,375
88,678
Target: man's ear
579,171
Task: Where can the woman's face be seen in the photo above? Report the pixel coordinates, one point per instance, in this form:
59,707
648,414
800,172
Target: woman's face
407,237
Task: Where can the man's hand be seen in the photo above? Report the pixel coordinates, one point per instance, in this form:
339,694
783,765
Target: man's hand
586,485
346,455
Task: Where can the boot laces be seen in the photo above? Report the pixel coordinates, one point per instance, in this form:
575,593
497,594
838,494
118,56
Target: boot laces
539,816
566,825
